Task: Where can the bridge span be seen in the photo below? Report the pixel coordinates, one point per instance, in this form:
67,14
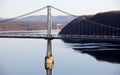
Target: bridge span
113,33
64,37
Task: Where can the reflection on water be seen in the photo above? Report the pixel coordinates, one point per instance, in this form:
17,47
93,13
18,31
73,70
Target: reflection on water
27,57
49,65
48,71
112,56
102,52
49,68
95,46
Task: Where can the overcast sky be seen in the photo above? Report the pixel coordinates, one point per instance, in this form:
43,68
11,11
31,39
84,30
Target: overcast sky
12,8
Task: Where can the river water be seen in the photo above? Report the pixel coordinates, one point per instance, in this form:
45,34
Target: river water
26,57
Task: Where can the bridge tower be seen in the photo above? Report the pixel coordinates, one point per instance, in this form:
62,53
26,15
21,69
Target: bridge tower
49,59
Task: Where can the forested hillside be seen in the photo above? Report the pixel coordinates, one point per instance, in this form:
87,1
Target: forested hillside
111,20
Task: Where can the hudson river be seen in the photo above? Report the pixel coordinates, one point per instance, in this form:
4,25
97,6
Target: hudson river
27,57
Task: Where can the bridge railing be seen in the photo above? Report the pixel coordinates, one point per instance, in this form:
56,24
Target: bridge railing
55,36
88,36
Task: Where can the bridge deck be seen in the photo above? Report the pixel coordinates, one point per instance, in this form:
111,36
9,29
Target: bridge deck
56,36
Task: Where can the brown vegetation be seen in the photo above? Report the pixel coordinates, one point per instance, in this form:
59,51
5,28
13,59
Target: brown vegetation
28,25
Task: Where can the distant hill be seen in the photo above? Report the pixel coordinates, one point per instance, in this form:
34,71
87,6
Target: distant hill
81,26
44,18
34,23
1,19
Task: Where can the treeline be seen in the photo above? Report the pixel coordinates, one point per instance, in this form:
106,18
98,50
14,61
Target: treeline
28,25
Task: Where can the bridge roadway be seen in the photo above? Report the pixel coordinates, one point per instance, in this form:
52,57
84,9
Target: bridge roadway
65,37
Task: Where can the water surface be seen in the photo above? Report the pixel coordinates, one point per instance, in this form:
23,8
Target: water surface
26,57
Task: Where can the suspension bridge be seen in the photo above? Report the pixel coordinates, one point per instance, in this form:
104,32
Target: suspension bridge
109,32
113,33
